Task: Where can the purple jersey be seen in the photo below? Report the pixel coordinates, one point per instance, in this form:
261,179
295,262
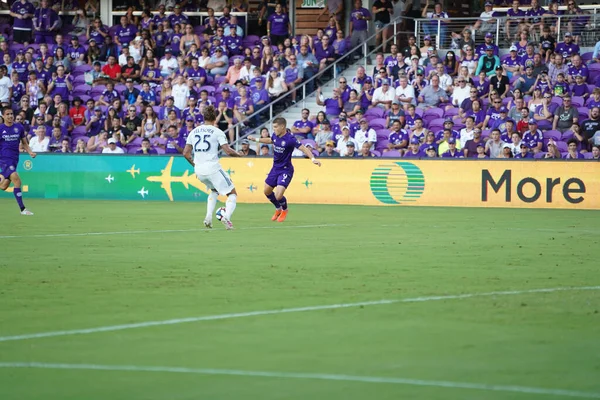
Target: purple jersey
324,52
409,121
544,86
18,92
110,95
359,24
580,90
591,103
21,69
22,9
10,137
233,44
95,34
527,60
283,147
478,116
60,87
480,50
332,107
512,14
307,124
45,18
521,49
483,88
75,52
243,107
410,154
126,34
535,15
290,74
180,19
512,62
567,50
279,24
260,95
581,70
398,137
532,139
450,154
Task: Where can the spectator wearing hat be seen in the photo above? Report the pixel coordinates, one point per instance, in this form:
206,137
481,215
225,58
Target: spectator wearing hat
112,147
482,49
453,151
565,116
22,11
524,152
329,150
432,95
168,64
567,48
486,22
365,134
488,62
344,140
350,150
533,137
76,52
512,64
414,150
96,122
383,96
260,96
246,150
506,151
218,64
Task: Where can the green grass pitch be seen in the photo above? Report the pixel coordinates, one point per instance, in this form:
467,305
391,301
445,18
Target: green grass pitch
52,279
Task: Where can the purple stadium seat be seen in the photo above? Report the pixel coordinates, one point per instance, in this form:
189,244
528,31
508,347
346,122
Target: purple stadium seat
79,131
594,73
583,112
97,90
156,109
219,80
132,150
562,146
84,98
551,134
591,87
486,133
544,124
506,100
567,135
120,87
587,56
437,112
451,112
378,154
557,100
83,68
159,150
577,101
306,142
589,155
209,88
419,112
437,122
381,144
137,142
375,112
81,90
391,154
541,154
382,134
377,123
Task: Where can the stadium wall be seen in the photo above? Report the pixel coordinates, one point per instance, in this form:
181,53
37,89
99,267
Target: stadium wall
463,183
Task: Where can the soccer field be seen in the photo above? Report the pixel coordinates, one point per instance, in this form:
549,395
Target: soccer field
134,300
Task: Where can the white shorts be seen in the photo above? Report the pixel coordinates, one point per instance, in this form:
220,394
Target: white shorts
219,181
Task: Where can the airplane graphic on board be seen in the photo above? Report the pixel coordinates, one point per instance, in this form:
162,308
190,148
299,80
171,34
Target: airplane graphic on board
133,171
166,179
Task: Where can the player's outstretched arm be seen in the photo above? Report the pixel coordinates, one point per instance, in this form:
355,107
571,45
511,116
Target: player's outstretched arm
27,148
230,152
310,155
187,153
265,140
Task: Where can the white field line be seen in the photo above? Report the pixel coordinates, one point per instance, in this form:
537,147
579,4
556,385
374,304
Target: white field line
50,235
147,324
309,376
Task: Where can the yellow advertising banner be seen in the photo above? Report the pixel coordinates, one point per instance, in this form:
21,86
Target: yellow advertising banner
534,184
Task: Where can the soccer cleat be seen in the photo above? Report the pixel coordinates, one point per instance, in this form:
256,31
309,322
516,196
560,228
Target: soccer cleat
208,223
227,223
26,212
276,215
282,216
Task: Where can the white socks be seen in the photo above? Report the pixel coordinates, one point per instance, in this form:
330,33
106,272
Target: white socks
230,205
211,203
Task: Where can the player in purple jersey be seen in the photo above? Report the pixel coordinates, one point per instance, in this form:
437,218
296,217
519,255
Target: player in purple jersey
280,176
11,135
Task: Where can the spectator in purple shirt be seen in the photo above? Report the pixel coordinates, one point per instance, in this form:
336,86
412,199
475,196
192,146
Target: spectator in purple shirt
22,11
45,23
324,52
535,16
177,18
278,26
333,105
359,17
76,52
125,32
302,128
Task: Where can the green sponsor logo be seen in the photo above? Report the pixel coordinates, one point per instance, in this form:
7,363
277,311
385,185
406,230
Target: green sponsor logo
397,183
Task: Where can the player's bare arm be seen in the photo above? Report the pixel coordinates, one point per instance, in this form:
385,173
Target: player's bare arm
310,155
260,140
187,153
27,148
230,152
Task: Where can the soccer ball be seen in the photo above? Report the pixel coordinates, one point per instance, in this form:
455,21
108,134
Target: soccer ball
220,213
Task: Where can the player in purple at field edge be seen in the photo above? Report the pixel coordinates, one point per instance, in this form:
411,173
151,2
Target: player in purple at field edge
281,174
11,135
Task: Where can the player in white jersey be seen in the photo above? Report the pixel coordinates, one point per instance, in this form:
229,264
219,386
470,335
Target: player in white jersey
204,143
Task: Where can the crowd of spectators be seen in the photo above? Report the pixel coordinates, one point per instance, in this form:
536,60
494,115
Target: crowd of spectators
150,76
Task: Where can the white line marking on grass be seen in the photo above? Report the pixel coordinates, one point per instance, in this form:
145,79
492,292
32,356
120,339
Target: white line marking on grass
147,324
302,375
250,228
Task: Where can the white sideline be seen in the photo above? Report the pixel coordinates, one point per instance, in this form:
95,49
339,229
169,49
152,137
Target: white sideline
250,228
146,324
302,375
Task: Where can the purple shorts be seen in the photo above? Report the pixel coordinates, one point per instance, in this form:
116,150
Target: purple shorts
279,177
7,168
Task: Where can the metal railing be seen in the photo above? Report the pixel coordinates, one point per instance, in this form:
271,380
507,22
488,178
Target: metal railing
445,35
347,58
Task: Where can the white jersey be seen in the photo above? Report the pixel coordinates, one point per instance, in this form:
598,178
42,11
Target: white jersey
206,141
